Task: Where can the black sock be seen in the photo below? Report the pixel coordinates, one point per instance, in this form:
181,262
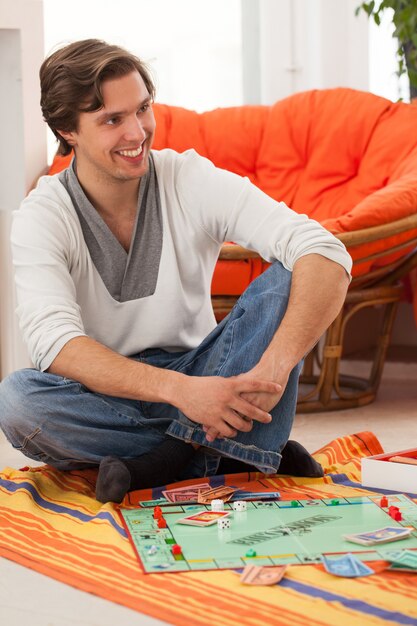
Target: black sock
160,466
296,461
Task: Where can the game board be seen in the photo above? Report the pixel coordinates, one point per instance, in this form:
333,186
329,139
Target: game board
278,531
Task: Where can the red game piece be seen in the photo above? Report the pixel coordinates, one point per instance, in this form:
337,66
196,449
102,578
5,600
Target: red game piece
392,510
162,522
157,512
397,516
176,549
384,502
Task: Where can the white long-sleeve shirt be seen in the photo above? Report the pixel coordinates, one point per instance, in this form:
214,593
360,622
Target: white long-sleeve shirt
61,295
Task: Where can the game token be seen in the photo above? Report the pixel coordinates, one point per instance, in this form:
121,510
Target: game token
162,522
334,502
383,502
294,503
250,553
176,549
217,505
392,510
397,516
239,505
157,512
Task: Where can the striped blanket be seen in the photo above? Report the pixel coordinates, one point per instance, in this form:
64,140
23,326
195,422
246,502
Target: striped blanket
51,522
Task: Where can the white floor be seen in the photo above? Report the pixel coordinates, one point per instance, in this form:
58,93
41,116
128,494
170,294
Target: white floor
28,597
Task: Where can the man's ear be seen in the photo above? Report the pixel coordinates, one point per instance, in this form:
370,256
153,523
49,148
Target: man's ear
69,136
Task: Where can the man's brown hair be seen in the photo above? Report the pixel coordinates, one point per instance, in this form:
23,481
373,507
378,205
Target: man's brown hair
71,80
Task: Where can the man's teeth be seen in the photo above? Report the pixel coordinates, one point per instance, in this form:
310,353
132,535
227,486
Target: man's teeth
131,153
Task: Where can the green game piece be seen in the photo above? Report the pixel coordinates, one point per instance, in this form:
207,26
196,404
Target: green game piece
294,503
250,553
334,502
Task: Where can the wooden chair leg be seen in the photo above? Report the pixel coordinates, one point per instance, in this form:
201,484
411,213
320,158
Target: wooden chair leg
332,390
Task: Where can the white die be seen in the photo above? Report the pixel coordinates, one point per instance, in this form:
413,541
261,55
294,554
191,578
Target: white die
223,523
217,505
239,506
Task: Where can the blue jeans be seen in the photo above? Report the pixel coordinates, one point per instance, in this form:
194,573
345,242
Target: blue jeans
61,422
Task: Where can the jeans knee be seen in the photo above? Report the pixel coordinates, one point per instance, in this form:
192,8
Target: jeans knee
278,278
273,284
15,406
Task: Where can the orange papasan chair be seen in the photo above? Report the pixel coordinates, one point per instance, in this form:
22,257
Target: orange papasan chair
346,158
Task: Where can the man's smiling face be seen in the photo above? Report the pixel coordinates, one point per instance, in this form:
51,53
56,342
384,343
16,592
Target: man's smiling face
113,143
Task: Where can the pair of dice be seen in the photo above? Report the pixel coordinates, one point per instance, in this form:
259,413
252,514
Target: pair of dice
218,505
225,521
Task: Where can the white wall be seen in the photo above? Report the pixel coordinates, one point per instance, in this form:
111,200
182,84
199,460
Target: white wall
22,147
302,44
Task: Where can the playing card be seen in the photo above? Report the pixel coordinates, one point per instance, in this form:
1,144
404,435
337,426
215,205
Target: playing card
204,518
381,535
257,575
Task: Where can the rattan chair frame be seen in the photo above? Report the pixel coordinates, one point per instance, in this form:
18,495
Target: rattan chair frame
322,385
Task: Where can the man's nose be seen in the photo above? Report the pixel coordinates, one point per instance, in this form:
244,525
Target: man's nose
134,129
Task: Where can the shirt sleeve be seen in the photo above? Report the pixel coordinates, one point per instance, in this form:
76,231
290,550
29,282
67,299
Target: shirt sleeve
230,208
46,300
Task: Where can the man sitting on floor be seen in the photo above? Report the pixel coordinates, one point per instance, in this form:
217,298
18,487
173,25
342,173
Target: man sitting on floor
114,258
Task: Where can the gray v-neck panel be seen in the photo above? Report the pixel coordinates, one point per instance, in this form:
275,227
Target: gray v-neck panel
127,276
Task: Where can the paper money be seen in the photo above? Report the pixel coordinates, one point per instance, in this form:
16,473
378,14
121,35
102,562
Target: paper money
186,494
217,493
347,566
404,559
258,575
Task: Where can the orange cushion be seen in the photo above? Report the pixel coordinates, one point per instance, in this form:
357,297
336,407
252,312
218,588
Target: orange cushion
346,158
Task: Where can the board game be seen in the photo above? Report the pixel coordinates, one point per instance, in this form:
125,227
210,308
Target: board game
274,532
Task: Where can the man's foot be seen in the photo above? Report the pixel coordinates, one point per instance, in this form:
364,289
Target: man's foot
296,461
160,466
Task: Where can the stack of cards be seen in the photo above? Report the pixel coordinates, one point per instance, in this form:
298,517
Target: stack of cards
217,493
381,535
404,561
185,494
347,566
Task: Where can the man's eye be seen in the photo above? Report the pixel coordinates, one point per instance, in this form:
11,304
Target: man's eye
144,107
112,121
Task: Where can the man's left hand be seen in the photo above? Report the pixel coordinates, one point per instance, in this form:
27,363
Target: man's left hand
262,400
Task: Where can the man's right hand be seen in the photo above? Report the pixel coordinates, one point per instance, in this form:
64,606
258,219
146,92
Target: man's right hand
217,402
